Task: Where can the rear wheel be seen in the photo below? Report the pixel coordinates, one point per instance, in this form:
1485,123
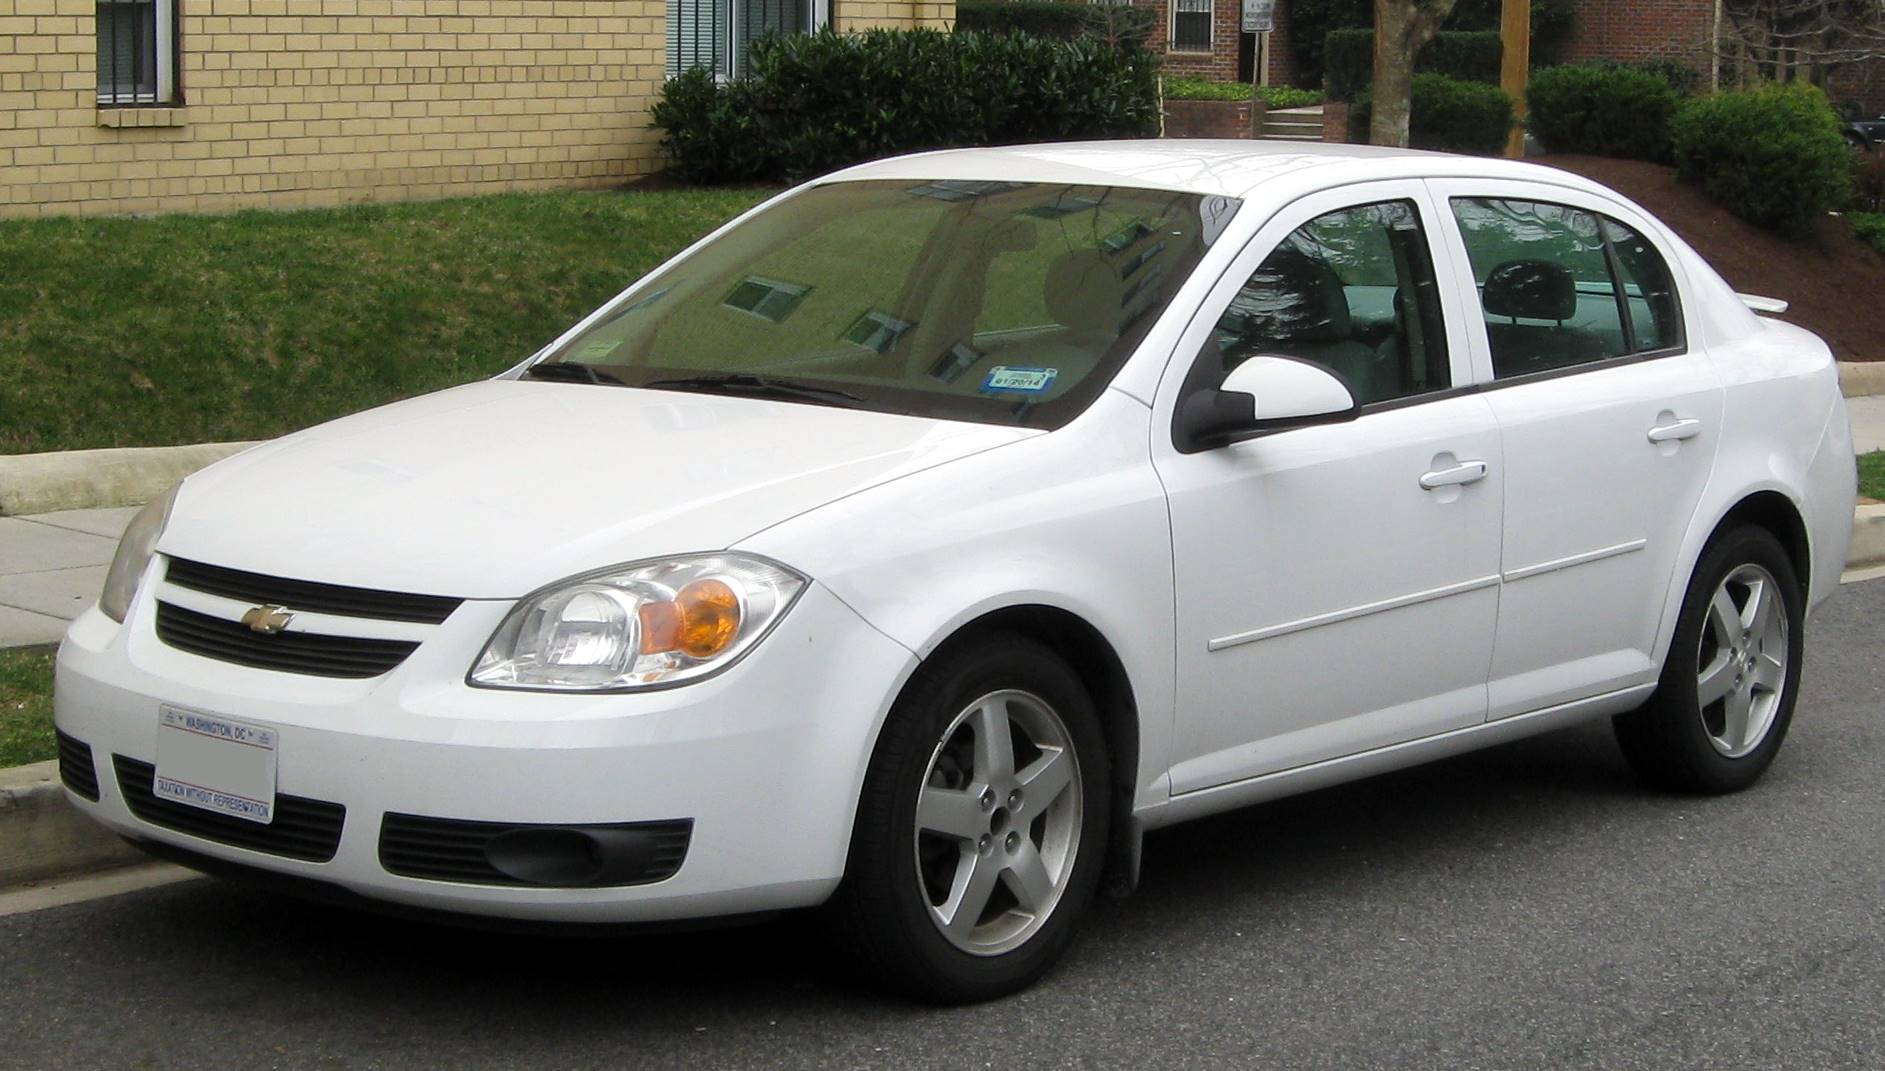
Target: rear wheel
982,825
1728,685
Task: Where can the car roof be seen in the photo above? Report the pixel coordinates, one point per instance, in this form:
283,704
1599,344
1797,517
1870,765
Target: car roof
1195,165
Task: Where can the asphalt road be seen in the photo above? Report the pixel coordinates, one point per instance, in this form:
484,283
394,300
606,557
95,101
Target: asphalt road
1523,907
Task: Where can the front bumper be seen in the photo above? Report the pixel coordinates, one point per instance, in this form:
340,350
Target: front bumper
766,759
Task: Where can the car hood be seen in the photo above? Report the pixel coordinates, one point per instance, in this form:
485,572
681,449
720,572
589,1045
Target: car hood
494,489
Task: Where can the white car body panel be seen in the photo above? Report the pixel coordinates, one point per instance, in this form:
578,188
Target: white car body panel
1268,643
1329,493
493,489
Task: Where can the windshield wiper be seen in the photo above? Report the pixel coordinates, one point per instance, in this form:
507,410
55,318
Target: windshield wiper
745,383
571,372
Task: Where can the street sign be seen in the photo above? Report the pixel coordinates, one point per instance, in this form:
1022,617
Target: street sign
1259,16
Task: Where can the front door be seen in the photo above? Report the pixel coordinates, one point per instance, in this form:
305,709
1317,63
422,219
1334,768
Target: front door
1337,586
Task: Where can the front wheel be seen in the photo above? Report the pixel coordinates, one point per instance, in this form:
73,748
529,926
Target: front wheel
982,825
1728,684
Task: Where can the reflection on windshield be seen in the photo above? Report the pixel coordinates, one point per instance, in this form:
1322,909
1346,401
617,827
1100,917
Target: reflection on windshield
999,302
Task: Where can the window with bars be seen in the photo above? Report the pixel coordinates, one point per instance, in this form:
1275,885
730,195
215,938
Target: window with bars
137,52
1191,25
716,34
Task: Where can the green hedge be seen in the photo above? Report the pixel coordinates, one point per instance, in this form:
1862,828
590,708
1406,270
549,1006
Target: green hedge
1869,227
1177,88
1773,156
1448,115
1607,110
1044,18
1311,20
1868,182
1063,19
1470,56
815,102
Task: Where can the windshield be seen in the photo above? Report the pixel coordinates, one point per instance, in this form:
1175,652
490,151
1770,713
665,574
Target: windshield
998,302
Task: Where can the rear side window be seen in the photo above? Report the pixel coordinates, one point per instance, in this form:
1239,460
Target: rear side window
1560,286
1655,315
1352,291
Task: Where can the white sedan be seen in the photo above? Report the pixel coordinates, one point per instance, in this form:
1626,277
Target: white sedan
915,542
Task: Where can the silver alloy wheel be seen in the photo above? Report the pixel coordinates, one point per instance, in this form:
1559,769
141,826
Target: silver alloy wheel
998,822
1741,665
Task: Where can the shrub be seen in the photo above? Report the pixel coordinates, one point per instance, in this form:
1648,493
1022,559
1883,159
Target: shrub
1773,156
1115,23
1869,227
1289,96
1682,77
1044,18
815,102
1868,182
1272,96
1348,59
1607,110
1200,89
1311,20
1448,115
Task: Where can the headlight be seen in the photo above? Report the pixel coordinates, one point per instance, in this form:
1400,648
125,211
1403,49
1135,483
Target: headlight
134,553
637,626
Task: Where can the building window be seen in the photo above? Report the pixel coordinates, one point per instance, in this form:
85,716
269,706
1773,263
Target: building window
716,34
137,52
1191,25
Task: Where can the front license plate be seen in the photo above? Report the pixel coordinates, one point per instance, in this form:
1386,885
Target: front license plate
216,764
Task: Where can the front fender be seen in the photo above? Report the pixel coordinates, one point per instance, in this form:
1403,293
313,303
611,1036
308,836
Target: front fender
1074,520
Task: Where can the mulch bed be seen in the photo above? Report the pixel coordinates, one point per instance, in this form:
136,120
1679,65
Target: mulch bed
1835,283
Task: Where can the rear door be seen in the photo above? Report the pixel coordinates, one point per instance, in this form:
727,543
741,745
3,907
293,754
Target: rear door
1609,420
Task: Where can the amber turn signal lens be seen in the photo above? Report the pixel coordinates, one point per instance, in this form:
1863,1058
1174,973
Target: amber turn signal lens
710,617
701,622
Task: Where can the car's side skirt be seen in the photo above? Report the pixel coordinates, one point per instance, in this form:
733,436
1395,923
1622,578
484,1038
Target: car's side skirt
1204,801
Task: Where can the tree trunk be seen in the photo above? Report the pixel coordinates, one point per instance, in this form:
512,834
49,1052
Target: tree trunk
1402,28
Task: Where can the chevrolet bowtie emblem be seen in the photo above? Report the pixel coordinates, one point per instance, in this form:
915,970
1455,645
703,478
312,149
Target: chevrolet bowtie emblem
268,620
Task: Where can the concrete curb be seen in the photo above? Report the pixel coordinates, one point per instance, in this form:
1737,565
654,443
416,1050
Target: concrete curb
1858,380
1868,537
89,479
42,836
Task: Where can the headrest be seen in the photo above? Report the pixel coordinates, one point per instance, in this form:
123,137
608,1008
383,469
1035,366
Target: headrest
1531,290
1294,297
1084,292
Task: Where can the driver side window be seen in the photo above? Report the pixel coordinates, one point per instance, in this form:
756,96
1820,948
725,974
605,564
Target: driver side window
1352,291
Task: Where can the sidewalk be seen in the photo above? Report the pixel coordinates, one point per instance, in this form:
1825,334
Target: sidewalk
1868,423
51,568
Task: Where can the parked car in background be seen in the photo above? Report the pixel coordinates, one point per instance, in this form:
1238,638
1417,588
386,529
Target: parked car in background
1862,132
917,541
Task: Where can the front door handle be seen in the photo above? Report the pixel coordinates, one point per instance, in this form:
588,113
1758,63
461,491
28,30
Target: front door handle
1686,428
1457,476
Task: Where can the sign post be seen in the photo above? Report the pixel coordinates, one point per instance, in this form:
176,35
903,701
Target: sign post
1260,19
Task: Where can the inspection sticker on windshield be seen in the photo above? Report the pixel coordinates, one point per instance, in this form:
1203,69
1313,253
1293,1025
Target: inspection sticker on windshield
216,764
1031,380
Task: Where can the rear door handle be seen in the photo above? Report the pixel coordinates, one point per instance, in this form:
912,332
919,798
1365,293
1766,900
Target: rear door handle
1459,475
1686,428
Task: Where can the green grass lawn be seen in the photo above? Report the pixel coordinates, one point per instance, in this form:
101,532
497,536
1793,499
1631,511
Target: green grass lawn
25,705
179,329
1872,475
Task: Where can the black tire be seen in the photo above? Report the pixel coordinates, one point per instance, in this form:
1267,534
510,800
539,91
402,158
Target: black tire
1667,740
881,913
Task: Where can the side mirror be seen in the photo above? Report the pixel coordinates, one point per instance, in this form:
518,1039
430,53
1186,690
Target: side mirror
1264,394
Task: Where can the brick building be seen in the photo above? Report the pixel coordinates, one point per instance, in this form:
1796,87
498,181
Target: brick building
145,105
1205,39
